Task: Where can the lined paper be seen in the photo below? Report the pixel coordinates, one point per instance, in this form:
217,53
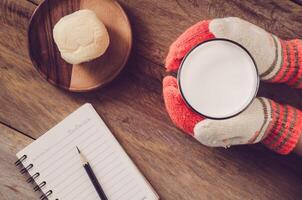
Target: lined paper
55,157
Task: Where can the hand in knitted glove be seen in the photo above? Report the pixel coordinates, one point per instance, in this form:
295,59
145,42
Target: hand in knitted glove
278,61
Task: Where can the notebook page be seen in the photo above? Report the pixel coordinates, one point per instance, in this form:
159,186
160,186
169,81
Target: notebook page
55,157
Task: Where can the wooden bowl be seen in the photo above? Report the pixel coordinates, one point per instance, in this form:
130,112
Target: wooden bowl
86,76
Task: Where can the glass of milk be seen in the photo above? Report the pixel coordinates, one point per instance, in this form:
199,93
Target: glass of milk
218,79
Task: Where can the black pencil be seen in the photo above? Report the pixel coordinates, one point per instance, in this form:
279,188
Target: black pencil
92,177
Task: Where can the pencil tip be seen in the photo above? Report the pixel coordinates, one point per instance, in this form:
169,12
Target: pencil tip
78,149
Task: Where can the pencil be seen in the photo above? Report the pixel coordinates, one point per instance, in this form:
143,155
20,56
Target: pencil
92,177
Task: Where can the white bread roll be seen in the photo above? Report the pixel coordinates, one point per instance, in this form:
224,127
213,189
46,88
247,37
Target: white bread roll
81,37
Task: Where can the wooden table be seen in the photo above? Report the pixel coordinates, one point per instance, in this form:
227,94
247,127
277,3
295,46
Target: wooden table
176,165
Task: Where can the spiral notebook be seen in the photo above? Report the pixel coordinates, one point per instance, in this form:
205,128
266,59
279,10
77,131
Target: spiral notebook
54,166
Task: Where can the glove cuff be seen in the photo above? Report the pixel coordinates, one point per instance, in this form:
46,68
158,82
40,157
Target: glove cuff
289,70
284,129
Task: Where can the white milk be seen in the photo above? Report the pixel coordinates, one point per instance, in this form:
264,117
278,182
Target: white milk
218,79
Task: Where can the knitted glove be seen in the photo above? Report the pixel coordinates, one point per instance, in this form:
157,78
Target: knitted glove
277,61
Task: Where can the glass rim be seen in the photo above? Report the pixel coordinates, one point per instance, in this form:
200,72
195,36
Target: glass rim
228,116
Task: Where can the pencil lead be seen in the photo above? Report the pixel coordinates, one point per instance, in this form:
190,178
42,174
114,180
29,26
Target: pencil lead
78,149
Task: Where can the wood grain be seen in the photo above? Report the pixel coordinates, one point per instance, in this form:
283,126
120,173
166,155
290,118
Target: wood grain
85,76
13,184
177,166
172,17
298,2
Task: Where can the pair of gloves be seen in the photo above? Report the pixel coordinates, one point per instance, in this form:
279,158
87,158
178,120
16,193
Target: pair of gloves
279,61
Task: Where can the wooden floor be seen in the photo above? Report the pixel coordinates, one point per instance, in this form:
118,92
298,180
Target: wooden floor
176,165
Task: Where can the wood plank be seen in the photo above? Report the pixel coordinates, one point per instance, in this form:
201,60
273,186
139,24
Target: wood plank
16,13
21,84
12,183
180,168
279,17
27,81
169,157
176,165
298,2
157,24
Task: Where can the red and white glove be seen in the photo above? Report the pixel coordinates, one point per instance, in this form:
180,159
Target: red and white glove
278,126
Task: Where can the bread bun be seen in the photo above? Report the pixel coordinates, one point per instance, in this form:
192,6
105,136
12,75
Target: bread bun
81,37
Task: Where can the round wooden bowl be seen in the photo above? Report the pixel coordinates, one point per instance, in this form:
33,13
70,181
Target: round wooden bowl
86,76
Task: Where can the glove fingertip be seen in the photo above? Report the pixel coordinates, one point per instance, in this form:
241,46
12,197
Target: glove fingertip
178,111
170,81
172,64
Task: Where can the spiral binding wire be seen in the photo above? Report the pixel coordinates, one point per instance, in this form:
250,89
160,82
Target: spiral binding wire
32,178
44,196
